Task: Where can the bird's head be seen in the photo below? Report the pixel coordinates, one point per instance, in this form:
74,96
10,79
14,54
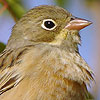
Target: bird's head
47,24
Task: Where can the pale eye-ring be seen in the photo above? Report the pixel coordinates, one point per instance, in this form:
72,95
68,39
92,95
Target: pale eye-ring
48,24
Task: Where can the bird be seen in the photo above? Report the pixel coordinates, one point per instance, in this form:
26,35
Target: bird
42,61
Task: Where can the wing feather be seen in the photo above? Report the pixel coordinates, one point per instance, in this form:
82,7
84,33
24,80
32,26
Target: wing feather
9,61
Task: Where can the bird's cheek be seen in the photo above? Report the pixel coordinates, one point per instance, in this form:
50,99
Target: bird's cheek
62,35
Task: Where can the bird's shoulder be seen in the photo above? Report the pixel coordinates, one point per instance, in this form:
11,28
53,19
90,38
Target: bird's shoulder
10,60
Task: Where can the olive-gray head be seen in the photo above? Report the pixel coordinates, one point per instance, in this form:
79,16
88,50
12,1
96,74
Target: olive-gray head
47,24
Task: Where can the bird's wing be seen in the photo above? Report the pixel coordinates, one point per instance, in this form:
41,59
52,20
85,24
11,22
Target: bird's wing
9,62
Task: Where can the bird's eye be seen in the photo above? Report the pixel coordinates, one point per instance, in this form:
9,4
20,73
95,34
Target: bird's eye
49,24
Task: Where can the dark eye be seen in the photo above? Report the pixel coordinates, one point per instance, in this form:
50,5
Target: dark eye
48,24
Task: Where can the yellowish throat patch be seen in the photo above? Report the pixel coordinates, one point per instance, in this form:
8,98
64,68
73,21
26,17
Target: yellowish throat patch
60,37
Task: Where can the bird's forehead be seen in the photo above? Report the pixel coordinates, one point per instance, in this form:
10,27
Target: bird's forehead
49,11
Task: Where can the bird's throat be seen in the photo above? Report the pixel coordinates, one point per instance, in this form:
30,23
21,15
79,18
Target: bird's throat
67,39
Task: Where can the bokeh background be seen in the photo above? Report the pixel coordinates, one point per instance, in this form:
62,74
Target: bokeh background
12,10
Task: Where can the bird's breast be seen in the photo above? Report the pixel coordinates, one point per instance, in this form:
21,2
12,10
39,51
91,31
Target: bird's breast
52,74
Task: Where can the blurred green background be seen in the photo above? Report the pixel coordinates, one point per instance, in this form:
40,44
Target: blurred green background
12,10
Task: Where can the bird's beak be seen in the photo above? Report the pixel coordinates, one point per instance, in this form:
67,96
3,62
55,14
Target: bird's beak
77,24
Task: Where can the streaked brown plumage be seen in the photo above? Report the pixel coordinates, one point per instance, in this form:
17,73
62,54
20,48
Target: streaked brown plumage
41,63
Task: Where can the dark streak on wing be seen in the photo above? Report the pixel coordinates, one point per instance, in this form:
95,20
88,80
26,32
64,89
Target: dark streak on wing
20,53
11,81
3,52
4,58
